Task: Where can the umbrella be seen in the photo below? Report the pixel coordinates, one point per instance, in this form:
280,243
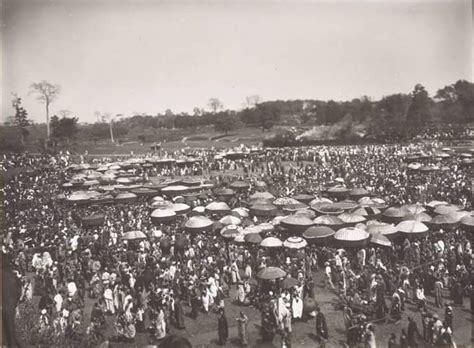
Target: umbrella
310,214
369,212
412,228
445,209
198,210
78,198
387,230
346,205
242,212
357,193
180,208
161,205
352,237
292,208
372,202
295,243
133,235
93,220
297,222
269,273
414,208
289,282
217,207
303,198
318,200
319,233
284,201
458,215
380,239
271,242
421,217
198,223
338,191
266,227
467,223
263,209
253,238
231,231
230,220
261,184
240,185
262,195
145,192
434,204
327,209
225,192
162,215
126,197
394,214
351,219
91,183
175,189
328,220
252,229
443,221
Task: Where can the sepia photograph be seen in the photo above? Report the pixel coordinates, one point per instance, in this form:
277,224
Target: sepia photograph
237,173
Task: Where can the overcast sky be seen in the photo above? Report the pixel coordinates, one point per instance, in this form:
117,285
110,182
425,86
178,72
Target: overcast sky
148,56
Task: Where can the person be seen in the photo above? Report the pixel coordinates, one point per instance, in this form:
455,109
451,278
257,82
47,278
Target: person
392,341
403,339
322,333
448,317
222,327
412,333
370,341
179,314
437,325
242,322
438,287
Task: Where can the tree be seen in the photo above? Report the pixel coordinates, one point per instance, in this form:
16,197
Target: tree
225,123
46,93
197,112
419,111
267,115
215,105
252,100
64,128
20,120
457,101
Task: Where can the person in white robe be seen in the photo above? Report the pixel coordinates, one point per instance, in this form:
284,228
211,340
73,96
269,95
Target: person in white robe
297,307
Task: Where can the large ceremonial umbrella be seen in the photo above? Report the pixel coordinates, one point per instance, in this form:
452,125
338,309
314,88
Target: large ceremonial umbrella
242,212
270,273
467,223
162,215
412,228
414,208
262,195
338,191
231,231
380,239
253,238
133,235
198,223
304,198
318,200
352,237
445,209
230,220
443,221
218,208
319,234
328,220
145,192
252,229
357,193
351,219
224,192
293,208
93,220
175,189
295,243
327,209
263,209
369,212
125,197
372,202
289,282
161,204
420,217
387,230
346,205
296,222
458,215
271,242
284,201
240,185
266,227
180,208
79,198
433,204
395,214
309,213
90,183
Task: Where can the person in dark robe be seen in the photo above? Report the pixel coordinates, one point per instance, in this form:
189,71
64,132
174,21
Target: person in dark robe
448,317
412,333
195,296
321,327
222,328
179,314
457,292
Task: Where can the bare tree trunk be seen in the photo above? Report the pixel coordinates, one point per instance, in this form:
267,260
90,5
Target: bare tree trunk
111,132
48,133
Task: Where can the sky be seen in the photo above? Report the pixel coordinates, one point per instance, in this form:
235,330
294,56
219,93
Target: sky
148,56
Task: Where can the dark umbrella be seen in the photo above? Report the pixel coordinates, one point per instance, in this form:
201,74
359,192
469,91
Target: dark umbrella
289,282
253,238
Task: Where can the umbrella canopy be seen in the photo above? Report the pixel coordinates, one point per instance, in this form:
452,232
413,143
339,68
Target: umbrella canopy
297,222
269,273
262,195
395,214
372,202
387,230
218,207
230,220
145,192
434,204
161,205
467,223
231,231
125,197
284,201
357,193
253,238
352,237
458,215
271,242
380,239
133,235
369,212
320,200
414,208
289,282
93,220
319,233
295,243
162,215
175,189
412,228
303,198
445,209
443,221
309,213
266,227
327,209
293,208
198,223
252,229
421,217
351,219
180,208
242,212
328,220
263,209
224,192
338,191
240,185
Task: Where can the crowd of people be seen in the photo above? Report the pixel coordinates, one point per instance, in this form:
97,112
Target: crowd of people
157,284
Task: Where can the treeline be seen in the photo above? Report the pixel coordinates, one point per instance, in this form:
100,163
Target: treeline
393,117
